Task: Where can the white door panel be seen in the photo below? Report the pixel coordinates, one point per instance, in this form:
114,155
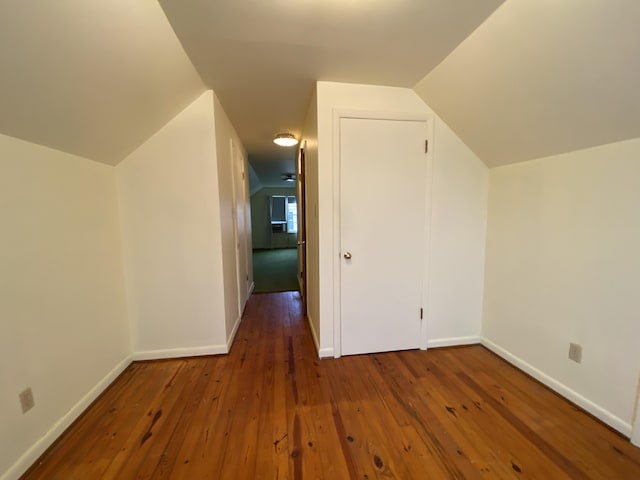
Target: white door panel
382,212
240,225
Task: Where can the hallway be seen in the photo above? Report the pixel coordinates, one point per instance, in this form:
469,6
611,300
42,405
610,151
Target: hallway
271,409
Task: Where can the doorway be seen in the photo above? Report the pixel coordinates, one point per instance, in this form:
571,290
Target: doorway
383,200
275,267
302,228
277,217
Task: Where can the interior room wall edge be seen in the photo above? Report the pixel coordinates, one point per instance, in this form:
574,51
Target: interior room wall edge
37,449
560,388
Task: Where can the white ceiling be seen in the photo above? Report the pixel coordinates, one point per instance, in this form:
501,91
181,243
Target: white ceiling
92,78
542,77
537,77
262,58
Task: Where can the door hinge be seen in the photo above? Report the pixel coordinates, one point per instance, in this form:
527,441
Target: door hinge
421,312
426,146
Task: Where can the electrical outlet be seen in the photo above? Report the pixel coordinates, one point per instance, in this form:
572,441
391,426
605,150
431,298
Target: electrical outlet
575,352
26,400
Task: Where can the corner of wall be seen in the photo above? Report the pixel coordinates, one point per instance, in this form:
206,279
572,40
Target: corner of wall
583,402
37,449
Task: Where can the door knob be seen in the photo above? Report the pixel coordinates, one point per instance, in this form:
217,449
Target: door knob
347,255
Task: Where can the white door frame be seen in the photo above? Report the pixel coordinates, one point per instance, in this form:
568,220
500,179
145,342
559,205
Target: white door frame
238,236
339,114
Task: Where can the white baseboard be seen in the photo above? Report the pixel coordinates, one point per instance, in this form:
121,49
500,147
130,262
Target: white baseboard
325,353
314,334
232,336
252,288
596,410
180,352
322,352
452,342
32,454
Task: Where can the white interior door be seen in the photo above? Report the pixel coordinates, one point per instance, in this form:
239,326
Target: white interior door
240,227
242,212
382,233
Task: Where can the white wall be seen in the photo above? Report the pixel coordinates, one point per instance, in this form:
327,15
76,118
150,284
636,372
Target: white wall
458,226
458,235
563,266
64,329
310,141
171,222
224,135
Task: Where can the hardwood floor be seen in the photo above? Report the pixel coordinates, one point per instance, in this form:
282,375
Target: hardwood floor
271,410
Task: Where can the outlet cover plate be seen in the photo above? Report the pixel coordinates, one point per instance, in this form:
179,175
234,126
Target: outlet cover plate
26,400
575,352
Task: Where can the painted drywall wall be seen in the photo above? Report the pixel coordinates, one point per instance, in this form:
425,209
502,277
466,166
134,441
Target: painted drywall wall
458,222
170,208
225,134
260,204
254,182
562,266
457,246
62,294
310,143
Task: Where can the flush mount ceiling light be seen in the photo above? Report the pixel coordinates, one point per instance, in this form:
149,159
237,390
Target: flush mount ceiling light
285,140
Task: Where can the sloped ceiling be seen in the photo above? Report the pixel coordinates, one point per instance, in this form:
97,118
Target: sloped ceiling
515,80
262,58
92,78
542,77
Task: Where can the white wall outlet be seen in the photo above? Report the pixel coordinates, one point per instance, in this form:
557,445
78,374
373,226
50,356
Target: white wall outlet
575,352
26,400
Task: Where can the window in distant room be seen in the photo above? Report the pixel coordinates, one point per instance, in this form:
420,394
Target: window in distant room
292,215
284,214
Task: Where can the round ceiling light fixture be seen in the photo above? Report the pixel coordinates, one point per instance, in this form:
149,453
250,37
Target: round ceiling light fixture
285,140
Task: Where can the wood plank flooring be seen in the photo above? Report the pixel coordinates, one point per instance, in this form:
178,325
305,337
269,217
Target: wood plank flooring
271,410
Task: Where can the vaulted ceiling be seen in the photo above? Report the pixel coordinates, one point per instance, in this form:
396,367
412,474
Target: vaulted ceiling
515,79
90,77
542,77
262,58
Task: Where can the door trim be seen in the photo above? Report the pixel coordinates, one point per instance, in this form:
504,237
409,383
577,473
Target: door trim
429,120
301,191
240,245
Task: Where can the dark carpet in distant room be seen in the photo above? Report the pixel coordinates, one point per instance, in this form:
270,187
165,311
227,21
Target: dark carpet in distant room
275,270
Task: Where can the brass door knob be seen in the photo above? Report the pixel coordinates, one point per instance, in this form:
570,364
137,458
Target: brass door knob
347,255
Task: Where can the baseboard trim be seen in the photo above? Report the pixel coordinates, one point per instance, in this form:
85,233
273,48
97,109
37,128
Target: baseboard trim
37,449
252,287
232,336
453,341
322,352
560,388
180,352
325,353
314,335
